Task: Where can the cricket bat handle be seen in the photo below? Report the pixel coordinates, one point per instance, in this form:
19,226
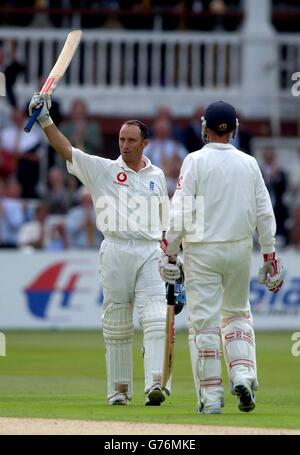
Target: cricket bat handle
170,298
32,119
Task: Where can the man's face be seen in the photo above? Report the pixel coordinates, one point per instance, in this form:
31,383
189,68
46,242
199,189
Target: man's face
131,143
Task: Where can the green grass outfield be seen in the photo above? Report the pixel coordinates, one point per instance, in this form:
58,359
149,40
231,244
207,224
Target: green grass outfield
62,375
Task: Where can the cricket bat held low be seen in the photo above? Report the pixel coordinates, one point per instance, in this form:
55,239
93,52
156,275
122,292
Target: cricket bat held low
169,337
57,72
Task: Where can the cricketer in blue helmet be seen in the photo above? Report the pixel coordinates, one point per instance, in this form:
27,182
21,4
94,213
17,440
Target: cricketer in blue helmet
217,259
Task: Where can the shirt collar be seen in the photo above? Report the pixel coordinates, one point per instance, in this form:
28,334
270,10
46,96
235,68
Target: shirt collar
218,145
123,165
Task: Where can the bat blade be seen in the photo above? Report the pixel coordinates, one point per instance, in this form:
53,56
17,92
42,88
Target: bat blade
169,338
62,63
58,70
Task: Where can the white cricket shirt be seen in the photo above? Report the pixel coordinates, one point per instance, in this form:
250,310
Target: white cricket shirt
232,199
128,204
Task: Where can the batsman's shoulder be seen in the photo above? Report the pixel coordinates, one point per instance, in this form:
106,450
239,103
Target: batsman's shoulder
94,159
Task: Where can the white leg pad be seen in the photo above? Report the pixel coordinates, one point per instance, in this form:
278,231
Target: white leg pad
239,350
209,366
194,360
153,322
118,338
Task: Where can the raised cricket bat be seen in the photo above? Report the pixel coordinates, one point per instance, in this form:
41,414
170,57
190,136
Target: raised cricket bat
169,337
57,72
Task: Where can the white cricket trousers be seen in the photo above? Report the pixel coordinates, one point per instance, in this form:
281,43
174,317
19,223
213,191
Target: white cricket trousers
217,281
130,278
217,293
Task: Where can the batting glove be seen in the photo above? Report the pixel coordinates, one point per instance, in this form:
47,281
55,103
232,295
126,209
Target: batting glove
36,102
169,268
271,273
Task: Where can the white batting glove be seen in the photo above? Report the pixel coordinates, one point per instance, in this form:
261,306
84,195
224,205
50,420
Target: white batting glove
36,102
271,273
170,268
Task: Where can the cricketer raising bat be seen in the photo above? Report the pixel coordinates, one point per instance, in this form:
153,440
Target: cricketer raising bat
169,337
57,72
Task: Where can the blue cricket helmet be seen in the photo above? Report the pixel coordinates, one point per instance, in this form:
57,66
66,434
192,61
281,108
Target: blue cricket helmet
221,118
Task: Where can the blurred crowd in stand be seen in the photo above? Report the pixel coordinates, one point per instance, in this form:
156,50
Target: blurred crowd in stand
42,206
127,14
206,15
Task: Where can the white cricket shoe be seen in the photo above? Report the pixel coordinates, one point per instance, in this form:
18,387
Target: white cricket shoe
119,399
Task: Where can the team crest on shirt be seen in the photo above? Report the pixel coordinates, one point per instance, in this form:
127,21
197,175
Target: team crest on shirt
121,179
151,185
179,183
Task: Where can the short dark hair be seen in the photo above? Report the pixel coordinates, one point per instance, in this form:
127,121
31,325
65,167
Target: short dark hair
141,125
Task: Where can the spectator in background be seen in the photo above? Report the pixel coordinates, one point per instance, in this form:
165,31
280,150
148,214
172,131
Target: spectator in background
192,133
72,190
90,18
142,17
32,233
43,232
165,152
81,223
57,198
11,213
276,182
82,132
171,20
294,231
164,113
24,151
13,68
243,139
22,19
214,14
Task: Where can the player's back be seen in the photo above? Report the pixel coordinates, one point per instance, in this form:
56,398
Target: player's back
226,178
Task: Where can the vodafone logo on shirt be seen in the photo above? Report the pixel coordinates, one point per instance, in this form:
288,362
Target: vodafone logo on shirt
121,179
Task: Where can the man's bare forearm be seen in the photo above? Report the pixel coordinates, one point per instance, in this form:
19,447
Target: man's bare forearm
59,142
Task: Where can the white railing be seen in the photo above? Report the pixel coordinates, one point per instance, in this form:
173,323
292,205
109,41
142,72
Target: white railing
123,72
127,59
118,63
288,49
288,58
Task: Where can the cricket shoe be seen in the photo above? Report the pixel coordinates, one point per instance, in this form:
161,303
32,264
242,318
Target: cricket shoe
155,396
119,399
246,397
